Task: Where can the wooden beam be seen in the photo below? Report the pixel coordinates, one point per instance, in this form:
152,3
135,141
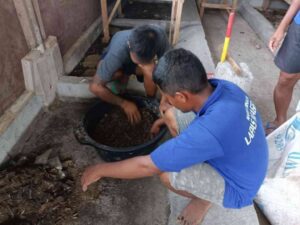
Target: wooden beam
26,23
266,4
114,10
178,21
105,23
202,7
216,6
173,14
39,18
165,24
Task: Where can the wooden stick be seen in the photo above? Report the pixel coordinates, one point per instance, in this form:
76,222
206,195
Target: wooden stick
234,4
266,4
105,21
178,21
114,10
39,18
120,11
215,6
173,15
236,68
202,8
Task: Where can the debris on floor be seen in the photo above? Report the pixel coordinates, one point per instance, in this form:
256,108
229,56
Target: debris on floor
274,15
142,10
88,65
43,190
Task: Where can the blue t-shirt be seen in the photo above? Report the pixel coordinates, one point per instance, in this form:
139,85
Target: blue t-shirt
227,133
297,18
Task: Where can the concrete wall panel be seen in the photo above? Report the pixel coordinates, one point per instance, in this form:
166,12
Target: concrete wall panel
68,19
13,48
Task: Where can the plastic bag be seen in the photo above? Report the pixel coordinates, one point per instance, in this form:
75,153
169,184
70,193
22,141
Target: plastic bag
279,196
224,71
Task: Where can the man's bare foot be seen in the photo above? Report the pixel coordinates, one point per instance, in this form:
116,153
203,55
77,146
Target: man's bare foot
194,212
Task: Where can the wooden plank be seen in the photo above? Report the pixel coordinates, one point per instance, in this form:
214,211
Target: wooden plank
174,9
266,4
39,18
202,7
129,23
178,21
114,10
105,21
26,24
216,6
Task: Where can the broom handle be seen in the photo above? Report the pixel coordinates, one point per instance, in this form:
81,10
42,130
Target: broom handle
228,36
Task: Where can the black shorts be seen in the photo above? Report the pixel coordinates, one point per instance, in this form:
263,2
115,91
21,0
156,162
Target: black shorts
288,56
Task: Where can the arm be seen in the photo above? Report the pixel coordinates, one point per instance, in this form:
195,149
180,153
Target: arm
149,85
98,87
137,167
282,28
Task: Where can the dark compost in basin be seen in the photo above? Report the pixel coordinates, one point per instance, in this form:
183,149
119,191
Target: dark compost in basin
114,141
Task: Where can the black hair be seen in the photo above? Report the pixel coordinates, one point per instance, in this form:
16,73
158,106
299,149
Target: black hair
143,41
180,70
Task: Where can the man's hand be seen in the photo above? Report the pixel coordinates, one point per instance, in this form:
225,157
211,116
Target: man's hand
276,40
90,175
131,111
156,126
149,85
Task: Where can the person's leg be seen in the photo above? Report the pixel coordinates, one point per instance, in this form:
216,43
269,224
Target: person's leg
283,93
190,187
117,84
194,211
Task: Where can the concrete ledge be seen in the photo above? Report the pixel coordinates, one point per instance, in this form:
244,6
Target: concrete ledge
77,51
78,87
21,114
165,24
262,27
74,87
193,39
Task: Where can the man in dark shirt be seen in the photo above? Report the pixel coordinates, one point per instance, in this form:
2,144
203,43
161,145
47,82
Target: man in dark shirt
129,52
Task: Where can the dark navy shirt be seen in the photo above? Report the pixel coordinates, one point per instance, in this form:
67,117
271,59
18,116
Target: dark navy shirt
117,55
228,134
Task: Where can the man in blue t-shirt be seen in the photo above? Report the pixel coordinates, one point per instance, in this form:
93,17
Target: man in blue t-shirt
218,162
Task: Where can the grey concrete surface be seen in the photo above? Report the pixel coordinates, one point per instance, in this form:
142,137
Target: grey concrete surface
22,120
247,47
13,49
263,28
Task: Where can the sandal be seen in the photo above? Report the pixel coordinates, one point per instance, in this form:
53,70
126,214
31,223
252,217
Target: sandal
269,128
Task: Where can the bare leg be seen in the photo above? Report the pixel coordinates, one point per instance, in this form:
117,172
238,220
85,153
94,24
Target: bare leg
195,211
283,93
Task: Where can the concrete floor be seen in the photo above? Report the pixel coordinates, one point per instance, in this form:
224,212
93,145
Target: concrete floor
247,47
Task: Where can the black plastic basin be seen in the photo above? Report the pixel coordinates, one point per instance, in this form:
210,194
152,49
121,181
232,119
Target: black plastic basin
108,153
